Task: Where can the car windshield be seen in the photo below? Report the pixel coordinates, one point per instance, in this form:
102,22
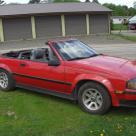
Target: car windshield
74,49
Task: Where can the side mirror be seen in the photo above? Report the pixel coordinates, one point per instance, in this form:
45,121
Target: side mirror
53,63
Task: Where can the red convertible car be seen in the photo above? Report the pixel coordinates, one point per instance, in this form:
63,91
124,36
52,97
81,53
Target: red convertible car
72,70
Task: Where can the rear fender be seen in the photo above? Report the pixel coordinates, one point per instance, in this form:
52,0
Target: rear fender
5,67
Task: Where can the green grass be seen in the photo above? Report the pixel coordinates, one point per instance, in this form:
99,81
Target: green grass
130,38
119,27
23,113
126,37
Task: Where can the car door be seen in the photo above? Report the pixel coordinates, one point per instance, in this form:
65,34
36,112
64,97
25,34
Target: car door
41,75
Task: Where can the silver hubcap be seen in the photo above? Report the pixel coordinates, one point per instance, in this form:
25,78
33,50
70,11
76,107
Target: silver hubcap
92,99
3,80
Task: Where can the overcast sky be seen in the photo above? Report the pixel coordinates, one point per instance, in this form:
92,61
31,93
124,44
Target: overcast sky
122,2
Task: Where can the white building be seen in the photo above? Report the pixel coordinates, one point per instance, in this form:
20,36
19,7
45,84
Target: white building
119,19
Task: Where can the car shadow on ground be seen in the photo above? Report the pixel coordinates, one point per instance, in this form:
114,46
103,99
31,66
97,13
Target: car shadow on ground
46,96
123,111
114,110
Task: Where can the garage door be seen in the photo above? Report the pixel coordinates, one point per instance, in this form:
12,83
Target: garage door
99,24
75,24
48,26
17,28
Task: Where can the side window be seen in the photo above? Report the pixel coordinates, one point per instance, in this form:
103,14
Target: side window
25,55
40,55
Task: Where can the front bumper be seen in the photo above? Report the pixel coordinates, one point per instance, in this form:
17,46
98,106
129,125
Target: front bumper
128,98
127,103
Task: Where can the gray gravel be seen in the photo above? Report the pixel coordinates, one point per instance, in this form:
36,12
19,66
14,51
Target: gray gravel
111,45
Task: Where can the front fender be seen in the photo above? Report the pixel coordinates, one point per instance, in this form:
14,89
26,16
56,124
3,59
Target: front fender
100,79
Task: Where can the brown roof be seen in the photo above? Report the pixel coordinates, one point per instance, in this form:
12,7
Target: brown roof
25,9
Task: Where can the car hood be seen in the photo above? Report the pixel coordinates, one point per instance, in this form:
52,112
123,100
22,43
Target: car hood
108,65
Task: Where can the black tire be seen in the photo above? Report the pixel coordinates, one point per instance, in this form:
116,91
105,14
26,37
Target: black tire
10,81
104,97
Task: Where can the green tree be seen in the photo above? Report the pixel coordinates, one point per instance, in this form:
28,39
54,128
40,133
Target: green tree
131,11
66,1
87,1
119,10
34,1
1,2
95,1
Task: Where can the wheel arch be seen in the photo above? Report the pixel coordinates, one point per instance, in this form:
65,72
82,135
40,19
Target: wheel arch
81,82
5,67
103,82
11,82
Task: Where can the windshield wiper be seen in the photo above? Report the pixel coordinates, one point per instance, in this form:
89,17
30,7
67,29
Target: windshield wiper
94,55
78,58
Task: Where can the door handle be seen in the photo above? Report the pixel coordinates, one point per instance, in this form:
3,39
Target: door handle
22,64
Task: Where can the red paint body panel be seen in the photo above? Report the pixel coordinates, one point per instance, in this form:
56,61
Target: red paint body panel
111,72
42,70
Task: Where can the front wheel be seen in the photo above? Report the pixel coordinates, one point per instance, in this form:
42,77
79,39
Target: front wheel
94,98
7,82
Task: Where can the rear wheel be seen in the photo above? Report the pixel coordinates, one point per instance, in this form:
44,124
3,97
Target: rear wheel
94,98
7,82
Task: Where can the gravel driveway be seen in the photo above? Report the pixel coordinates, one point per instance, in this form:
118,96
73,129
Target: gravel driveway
111,45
